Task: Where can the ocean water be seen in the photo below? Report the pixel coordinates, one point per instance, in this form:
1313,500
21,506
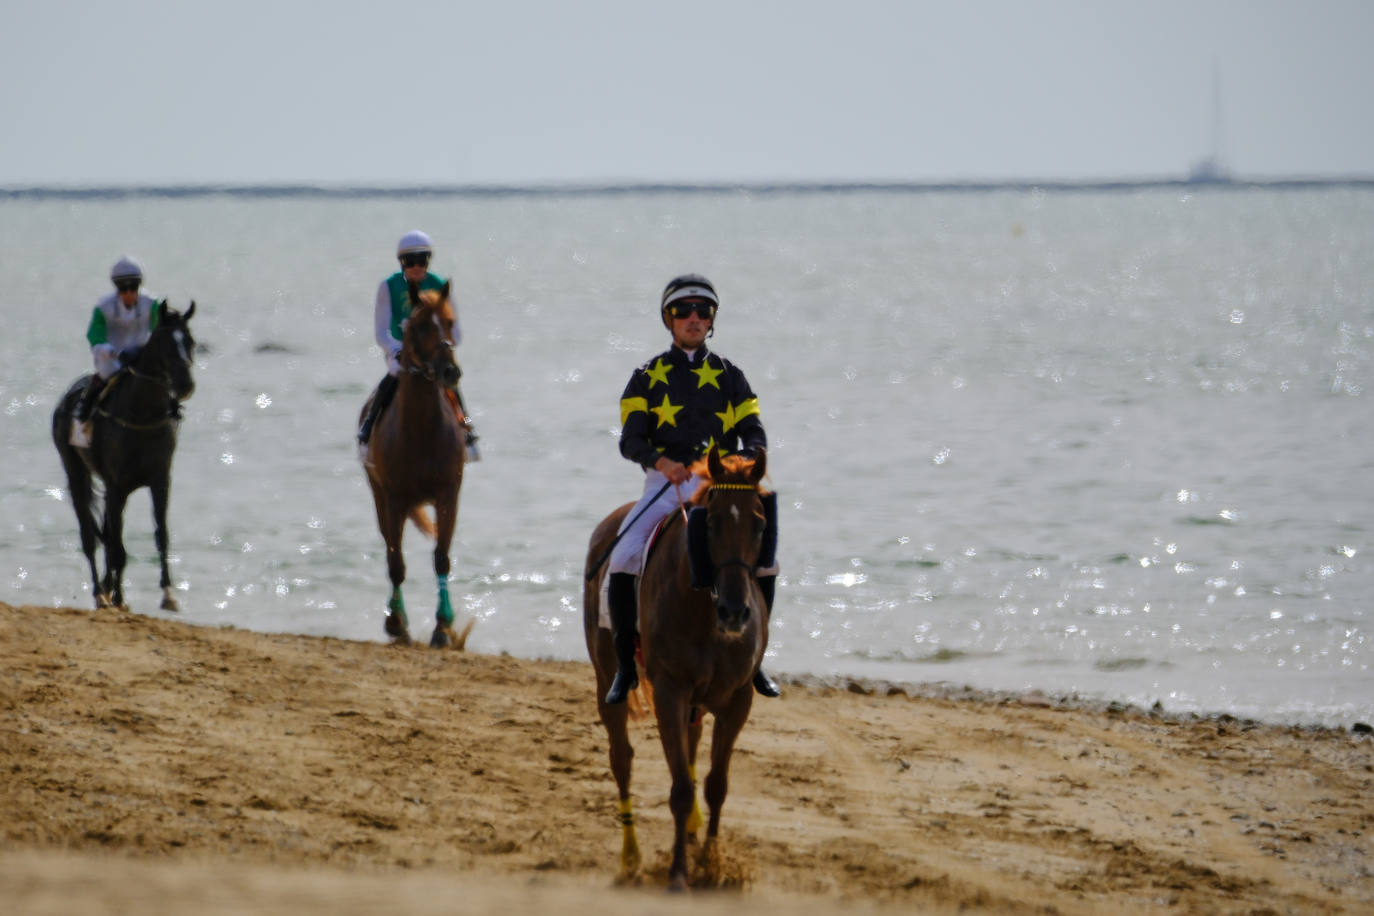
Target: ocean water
1112,444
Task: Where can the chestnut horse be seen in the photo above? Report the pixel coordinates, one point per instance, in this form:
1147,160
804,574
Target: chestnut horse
701,647
134,433
416,458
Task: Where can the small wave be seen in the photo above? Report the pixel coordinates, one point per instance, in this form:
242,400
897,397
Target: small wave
1202,520
939,656
1121,664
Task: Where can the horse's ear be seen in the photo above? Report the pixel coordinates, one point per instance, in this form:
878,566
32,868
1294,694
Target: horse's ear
161,311
190,311
414,293
760,466
443,293
714,464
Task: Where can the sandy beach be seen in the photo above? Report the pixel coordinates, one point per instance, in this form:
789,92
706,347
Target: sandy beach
152,766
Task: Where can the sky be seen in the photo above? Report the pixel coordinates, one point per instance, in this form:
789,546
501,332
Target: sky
604,91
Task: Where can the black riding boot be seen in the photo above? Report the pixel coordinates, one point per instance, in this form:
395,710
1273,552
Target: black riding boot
762,682
624,608
88,399
386,390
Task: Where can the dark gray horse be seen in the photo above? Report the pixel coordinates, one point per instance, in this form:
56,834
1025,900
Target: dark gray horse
134,432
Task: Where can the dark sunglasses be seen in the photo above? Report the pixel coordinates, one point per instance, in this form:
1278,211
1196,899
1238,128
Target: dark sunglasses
127,286
704,310
414,260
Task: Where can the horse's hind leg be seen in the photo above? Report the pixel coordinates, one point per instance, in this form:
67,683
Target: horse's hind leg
622,758
82,494
391,523
445,518
160,490
695,716
115,555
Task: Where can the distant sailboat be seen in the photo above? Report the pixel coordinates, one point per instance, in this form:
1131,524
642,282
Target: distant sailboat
1210,170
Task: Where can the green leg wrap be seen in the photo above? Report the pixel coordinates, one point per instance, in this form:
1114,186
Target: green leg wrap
397,606
445,612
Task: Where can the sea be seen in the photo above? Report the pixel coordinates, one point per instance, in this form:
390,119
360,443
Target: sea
1107,444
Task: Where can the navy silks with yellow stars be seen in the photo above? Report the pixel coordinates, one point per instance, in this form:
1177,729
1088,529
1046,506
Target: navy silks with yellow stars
679,407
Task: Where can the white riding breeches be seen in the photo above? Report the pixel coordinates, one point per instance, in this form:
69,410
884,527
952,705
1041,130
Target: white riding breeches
629,552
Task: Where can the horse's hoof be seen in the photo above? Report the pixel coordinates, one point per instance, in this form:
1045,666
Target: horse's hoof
396,629
443,637
169,604
677,884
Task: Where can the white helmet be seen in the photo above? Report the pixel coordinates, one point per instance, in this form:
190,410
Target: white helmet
126,268
414,242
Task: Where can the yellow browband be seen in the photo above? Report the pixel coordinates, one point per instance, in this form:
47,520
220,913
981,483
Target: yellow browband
734,486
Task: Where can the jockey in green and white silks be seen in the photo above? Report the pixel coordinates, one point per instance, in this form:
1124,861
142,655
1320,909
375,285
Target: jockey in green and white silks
393,308
390,313
122,321
120,325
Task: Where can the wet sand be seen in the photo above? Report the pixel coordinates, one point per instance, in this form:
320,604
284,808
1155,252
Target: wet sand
152,766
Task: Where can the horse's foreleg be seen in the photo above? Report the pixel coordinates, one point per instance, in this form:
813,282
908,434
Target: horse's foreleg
672,732
445,518
160,491
115,556
729,723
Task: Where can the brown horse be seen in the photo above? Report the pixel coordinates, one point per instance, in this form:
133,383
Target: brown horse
701,648
416,458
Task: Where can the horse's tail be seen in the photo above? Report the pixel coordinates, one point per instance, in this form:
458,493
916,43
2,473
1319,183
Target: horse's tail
421,518
641,700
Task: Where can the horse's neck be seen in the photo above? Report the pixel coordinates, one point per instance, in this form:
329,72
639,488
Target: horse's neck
421,403
136,396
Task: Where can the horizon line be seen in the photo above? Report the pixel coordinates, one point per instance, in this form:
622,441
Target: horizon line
373,189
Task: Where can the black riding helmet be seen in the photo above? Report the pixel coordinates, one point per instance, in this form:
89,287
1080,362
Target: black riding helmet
688,286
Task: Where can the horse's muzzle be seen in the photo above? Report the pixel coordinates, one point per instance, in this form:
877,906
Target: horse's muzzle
731,617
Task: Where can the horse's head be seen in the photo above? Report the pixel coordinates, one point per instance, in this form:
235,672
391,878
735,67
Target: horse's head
168,354
735,524
427,345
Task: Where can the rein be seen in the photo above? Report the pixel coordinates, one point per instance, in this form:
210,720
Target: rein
163,382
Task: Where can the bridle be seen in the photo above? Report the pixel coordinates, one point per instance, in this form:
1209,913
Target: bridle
735,561
429,369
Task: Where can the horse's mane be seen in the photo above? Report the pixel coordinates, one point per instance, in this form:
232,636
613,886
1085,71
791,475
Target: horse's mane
737,469
432,299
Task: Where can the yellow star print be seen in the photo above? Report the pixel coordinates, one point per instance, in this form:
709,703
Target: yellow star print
666,412
659,373
707,376
736,412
